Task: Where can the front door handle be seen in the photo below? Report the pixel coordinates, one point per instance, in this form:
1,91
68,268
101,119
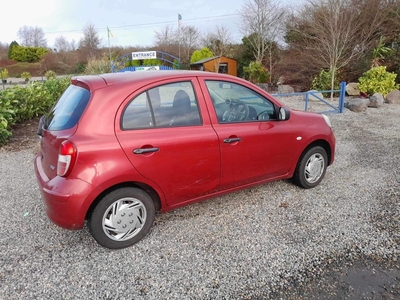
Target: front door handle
145,150
232,140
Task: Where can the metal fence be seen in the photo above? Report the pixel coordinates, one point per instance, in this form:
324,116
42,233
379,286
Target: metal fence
335,109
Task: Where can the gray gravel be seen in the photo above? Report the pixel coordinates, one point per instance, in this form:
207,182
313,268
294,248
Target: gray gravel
274,240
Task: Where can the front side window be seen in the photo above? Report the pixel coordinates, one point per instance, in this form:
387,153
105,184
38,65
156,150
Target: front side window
168,105
236,103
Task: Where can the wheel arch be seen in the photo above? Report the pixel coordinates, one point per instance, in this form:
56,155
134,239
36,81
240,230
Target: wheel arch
148,189
322,143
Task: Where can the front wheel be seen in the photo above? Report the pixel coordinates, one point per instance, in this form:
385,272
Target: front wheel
311,167
122,218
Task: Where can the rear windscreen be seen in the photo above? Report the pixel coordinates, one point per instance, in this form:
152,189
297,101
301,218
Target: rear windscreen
66,113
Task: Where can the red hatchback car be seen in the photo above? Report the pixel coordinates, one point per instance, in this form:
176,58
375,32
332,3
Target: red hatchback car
116,148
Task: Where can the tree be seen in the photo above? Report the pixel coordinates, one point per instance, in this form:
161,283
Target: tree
201,54
11,48
219,42
188,40
262,23
32,36
331,33
166,39
89,44
180,42
3,51
61,44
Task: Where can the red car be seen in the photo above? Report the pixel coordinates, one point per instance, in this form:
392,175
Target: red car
118,147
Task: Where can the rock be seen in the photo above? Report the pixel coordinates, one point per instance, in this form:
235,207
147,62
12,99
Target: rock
312,96
376,100
285,89
264,86
357,104
352,89
393,97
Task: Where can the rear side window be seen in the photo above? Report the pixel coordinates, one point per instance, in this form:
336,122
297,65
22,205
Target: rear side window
169,105
66,113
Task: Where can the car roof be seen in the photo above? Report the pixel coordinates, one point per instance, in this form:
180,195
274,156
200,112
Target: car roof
142,77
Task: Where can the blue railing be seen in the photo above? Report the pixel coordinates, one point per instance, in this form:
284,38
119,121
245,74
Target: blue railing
134,68
335,109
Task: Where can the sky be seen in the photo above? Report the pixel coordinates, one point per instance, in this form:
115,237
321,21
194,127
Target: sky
131,22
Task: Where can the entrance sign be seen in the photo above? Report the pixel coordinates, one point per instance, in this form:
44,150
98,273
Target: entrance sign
148,60
144,55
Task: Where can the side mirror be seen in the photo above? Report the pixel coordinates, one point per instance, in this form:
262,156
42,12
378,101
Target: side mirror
284,114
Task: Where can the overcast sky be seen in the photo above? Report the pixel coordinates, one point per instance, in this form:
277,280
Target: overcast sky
131,22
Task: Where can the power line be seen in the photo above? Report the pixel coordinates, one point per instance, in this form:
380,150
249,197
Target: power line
143,25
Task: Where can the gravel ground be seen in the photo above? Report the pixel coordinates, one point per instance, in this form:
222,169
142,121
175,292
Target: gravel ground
339,240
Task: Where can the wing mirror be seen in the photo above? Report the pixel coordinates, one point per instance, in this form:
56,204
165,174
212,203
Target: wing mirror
284,114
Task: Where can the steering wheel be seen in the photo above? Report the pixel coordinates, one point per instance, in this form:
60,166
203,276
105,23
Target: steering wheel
238,111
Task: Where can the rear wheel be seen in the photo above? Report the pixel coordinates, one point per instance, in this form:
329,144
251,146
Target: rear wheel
311,167
122,218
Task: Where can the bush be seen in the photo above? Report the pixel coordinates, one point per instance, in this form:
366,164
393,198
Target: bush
50,74
97,66
18,104
27,54
377,80
26,75
323,82
3,74
256,72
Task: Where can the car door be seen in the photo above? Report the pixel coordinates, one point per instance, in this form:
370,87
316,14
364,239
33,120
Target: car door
166,139
254,144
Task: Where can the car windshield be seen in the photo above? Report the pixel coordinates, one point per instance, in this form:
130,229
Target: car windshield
67,111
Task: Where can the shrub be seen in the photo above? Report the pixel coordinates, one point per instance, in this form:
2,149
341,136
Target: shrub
97,66
26,75
323,82
256,72
18,104
50,74
4,74
377,80
27,54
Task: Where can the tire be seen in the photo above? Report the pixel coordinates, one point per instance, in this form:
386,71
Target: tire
311,167
122,218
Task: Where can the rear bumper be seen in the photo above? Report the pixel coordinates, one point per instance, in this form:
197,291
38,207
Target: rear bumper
63,198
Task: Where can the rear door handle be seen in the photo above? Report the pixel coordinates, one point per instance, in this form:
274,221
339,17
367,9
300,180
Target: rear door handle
145,150
232,140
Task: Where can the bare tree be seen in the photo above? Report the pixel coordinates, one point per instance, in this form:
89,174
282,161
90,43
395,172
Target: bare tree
219,42
32,36
89,44
62,45
334,32
261,22
3,51
189,41
166,38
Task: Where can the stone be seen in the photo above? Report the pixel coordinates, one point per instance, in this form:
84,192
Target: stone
352,89
376,100
285,89
357,104
264,86
393,97
312,96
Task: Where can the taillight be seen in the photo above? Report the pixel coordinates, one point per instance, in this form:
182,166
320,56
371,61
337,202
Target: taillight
66,158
